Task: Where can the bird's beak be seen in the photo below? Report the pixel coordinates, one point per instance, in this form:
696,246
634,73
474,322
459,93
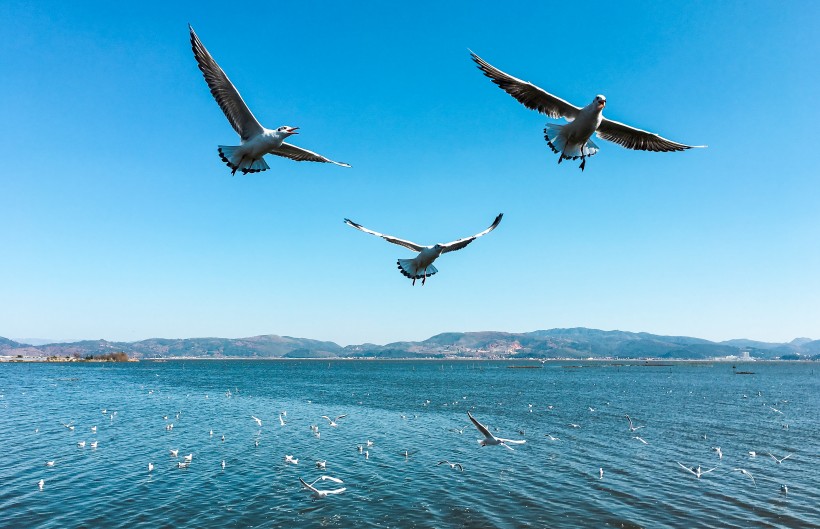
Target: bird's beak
292,130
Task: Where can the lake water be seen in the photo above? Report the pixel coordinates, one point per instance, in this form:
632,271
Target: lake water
414,406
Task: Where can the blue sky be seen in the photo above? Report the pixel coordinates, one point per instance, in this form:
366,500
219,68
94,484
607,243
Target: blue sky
119,221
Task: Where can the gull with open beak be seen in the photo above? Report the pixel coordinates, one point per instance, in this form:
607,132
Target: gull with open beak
256,139
572,141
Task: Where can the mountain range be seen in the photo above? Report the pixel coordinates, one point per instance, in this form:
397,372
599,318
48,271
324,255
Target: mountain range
553,343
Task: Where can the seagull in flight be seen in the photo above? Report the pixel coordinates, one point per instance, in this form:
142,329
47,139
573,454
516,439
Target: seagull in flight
746,473
719,451
421,266
697,472
333,421
452,465
572,141
778,461
322,493
257,141
641,439
490,439
552,437
632,427
41,484
258,420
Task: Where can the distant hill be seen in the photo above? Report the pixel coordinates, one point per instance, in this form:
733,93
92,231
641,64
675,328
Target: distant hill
576,342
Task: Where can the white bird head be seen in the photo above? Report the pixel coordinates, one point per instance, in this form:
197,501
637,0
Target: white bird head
600,102
285,130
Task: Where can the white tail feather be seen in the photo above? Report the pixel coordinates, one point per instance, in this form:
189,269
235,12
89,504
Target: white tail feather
237,162
558,144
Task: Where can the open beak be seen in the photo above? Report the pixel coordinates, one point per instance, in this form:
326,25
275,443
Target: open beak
292,130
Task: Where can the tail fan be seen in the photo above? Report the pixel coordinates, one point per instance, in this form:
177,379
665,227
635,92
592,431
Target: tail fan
237,162
408,269
558,144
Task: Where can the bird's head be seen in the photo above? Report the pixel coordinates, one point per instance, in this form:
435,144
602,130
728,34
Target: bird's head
287,131
600,102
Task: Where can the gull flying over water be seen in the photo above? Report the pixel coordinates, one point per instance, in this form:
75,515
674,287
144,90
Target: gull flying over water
452,465
258,420
746,473
632,427
257,141
778,461
697,472
316,493
421,266
333,421
490,439
572,141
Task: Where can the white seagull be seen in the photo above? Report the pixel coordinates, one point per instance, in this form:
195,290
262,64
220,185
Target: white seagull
189,458
333,421
421,266
697,472
719,452
552,437
150,467
49,463
632,427
490,439
257,141
258,421
572,141
452,465
322,493
746,473
174,452
321,464
778,461
281,420
292,460
41,484
81,444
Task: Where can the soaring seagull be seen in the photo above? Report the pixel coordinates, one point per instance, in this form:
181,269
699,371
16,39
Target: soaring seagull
421,266
572,141
490,439
256,139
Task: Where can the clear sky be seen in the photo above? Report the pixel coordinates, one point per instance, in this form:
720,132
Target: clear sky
119,221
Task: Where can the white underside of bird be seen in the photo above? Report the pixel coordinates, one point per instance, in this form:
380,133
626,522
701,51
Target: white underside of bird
572,140
421,266
490,439
256,140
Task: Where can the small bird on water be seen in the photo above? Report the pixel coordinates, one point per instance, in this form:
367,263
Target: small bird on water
257,141
572,141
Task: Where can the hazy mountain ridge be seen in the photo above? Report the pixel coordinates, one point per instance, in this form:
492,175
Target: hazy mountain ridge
576,342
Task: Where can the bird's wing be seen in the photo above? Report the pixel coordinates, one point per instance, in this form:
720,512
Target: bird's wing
389,238
299,154
686,468
481,428
526,93
513,441
461,243
505,445
309,486
637,139
331,478
442,462
772,456
341,417
335,491
460,468
628,418
785,458
325,417
226,95
707,471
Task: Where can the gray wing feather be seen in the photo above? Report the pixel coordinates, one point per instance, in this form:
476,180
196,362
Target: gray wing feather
401,242
461,243
226,95
299,154
637,139
481,428
526,93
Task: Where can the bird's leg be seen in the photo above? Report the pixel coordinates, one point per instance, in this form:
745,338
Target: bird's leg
423,279
414,281
583,162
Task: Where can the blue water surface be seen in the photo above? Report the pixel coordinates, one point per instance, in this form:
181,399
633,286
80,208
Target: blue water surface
415,415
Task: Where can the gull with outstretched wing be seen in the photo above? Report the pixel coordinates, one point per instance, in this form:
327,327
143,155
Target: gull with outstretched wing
572,141
490,439
421,266
316,493
257,141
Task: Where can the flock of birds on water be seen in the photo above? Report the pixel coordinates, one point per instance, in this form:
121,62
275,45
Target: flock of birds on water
570,141
488,439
